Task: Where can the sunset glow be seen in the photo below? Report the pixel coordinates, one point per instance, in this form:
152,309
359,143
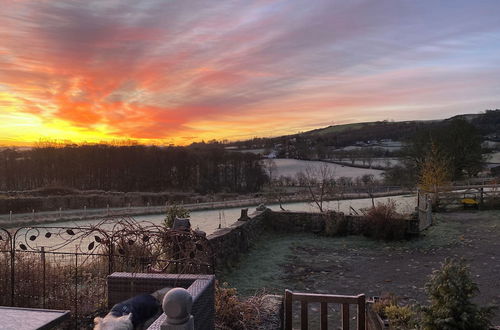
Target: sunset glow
182,71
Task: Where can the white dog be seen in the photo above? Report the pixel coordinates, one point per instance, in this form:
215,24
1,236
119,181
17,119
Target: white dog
135,313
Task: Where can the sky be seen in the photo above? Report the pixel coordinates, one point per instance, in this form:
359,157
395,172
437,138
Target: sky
164,71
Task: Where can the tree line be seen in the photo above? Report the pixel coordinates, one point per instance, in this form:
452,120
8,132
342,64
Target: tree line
200,168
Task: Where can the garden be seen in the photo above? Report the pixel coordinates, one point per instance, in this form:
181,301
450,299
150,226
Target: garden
378,268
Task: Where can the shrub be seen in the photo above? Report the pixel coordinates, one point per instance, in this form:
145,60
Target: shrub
384,301
233,313
399,317
174,211
450,291
383,222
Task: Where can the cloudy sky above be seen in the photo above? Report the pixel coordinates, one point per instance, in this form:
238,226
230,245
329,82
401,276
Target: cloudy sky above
162,71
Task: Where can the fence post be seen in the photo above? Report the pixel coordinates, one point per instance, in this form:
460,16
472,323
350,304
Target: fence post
110,256
107,210
12,265
42,255
288,310
84,211
33,213
60,212
76,287
10,216
361,312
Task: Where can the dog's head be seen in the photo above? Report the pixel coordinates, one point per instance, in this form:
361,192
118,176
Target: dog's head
110,322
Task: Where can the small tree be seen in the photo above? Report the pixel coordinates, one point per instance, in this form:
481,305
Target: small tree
450,291
174,211
434,172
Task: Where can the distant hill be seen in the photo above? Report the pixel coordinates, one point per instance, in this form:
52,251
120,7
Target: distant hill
488,123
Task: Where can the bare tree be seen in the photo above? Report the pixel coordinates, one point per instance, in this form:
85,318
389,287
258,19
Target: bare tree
320,182
369,183
276,188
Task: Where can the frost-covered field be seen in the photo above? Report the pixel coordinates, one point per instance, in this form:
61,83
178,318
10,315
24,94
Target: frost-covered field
493,158
383,162
390,146
290,167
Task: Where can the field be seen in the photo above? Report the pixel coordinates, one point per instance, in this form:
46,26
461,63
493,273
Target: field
380,162
290,167
493,157
353,265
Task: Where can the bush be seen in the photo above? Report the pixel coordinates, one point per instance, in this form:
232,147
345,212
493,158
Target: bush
450,291
399,317
175,211
233,313
383,222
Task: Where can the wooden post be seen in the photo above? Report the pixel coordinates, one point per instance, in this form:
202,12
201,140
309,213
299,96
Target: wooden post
304,321
361,312
288,310
324,316
345,316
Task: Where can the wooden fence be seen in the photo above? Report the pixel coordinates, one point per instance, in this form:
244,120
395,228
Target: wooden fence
324,300
457,195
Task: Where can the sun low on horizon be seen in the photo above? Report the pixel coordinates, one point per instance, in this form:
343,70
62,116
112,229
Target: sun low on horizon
176,72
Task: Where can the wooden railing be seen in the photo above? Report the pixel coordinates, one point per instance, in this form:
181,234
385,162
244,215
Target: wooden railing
324,300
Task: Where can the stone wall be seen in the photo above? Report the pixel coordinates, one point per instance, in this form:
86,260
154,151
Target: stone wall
330,223
228,243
